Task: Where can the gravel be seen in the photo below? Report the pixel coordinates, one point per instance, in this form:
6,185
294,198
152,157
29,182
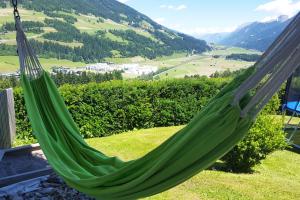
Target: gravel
53,188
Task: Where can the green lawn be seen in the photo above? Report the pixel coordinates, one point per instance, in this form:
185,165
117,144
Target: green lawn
277,177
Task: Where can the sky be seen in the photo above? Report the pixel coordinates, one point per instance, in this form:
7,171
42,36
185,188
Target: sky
198,17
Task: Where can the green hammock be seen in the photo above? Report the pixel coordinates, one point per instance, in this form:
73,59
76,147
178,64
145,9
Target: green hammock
211,134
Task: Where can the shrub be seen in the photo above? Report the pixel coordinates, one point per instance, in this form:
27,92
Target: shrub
116,106
265,136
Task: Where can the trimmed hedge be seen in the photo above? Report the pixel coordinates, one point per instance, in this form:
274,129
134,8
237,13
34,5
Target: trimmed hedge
118,106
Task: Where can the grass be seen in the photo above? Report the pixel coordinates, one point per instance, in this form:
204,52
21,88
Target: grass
11,63
6,15
85,23
69,44
115,38
203,64
180,65
277,177
222,50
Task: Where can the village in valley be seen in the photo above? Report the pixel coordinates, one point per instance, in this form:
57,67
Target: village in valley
132,70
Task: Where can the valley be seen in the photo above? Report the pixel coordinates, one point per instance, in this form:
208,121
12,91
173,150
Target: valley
176,66
71,39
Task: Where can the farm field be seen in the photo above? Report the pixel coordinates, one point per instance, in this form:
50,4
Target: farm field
204,65
179,65
11,63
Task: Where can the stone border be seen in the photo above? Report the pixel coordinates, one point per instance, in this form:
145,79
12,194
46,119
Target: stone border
19,151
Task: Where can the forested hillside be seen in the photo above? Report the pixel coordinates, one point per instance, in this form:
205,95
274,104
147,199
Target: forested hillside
92,30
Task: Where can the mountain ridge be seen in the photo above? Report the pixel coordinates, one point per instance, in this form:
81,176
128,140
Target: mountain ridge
256,35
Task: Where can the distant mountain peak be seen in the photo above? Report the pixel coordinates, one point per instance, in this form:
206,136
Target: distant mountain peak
257,35
283,18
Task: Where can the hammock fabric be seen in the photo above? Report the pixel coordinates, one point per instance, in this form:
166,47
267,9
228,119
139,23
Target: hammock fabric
211,134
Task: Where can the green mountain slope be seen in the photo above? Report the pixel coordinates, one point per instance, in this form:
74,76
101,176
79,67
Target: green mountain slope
92,30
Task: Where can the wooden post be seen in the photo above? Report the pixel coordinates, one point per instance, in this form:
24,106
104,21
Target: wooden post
7,119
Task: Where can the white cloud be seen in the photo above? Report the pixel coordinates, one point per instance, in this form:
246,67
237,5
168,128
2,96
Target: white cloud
123,1
280,7
173,7
197,31
181,7
269,18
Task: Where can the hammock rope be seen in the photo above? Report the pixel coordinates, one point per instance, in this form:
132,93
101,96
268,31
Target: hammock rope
213,132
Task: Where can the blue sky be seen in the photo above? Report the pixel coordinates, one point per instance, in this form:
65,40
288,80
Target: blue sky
197,17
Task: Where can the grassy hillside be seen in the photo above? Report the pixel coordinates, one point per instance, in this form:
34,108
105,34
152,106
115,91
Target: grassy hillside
276,178
85,23
91,31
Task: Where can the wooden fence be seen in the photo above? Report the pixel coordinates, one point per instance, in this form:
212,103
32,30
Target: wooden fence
7,119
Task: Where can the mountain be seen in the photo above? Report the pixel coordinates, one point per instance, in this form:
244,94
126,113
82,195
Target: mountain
92,30
214,37
257,35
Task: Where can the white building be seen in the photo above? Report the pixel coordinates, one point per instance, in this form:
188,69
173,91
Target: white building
131,69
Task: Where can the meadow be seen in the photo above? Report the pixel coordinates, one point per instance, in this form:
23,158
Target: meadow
10,64
85,23
179,65
205,64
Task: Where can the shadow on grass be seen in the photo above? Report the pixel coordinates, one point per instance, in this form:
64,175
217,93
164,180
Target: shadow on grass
294,149
221,166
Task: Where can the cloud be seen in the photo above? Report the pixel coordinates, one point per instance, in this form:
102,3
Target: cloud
269,18
280,7
123,1
173,7
181,7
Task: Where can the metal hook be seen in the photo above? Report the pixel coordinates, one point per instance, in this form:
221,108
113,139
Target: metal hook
14,3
